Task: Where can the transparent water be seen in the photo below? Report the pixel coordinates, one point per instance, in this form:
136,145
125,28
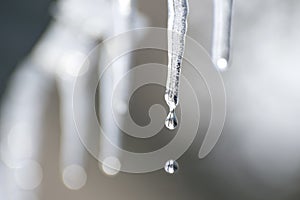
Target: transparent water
171,166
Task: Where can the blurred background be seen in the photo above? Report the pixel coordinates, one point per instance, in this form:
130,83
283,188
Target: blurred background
42,43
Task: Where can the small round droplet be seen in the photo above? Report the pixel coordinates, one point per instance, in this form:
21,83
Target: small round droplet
171,121
171,166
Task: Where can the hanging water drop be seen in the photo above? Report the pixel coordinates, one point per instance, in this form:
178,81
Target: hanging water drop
171,121
177,26
171,166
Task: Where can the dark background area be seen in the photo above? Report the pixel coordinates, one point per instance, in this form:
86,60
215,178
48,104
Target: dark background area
22,23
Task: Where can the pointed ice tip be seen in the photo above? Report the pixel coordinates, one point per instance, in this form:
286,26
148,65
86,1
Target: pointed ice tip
222,64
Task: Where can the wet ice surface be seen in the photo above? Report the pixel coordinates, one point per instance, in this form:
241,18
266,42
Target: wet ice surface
177,27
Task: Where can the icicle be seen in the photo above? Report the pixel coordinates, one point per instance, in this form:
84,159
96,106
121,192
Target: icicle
177,27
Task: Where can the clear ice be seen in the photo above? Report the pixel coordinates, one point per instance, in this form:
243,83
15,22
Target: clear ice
177,27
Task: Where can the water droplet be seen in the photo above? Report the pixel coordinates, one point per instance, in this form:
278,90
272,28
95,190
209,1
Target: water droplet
171,166
171,121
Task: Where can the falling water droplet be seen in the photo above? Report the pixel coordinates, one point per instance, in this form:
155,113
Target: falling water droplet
171,121
171,166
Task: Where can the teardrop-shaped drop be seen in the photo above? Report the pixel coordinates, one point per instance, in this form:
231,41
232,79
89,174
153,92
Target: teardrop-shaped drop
171,121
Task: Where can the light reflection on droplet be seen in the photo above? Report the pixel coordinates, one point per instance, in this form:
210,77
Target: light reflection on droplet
171,166
171,121
74,177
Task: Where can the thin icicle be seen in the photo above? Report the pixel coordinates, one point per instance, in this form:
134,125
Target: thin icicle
177,27
222,33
